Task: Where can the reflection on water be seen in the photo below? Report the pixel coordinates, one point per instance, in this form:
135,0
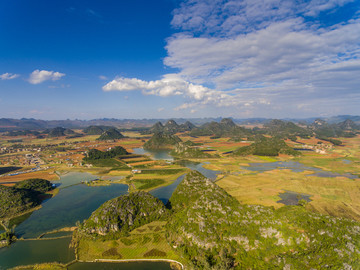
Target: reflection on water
269,166
199,167
293,198
295,167
164,193
331,174
74,203
36,251
346,161
73,178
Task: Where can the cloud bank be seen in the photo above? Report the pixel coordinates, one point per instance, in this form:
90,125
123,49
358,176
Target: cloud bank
8,76
39,76
169,85
255,56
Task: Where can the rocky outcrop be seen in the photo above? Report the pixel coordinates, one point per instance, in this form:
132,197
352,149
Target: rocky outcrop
185,151
171,127
212,230
123,214
162,140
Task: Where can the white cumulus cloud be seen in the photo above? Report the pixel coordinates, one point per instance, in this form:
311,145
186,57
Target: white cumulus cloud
8,76
169,85
268,54
39,76
260,57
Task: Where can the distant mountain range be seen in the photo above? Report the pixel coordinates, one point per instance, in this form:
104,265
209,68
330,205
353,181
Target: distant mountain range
8,124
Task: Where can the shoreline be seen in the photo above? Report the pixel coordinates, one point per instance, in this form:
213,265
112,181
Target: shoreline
136,260
65,265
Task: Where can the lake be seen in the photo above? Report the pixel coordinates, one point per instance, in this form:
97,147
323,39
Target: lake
71,204
75,202
293,198
36,251
295,167
199,167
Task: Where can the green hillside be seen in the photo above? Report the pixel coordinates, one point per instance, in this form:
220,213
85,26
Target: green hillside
183,150
123,214
226,128
264,146
59,132
110,134
283,129
161,140
170,127
96,130
14,201
35,184
212,230
106,158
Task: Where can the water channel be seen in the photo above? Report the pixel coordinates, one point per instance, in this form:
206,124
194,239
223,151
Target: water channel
75,202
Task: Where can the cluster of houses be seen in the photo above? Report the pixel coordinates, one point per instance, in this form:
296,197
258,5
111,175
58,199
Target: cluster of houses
319,148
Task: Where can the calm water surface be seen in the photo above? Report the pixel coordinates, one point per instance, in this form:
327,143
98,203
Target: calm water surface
122,266
199,167
76,202
295,167
36,251
293,198
73,178
164,193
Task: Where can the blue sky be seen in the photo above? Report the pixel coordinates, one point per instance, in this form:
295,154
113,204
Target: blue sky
172,58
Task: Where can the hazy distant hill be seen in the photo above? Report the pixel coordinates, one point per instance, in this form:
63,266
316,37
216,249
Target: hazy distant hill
96,130
322,129
226,128
285,129
59,132
184,150
170,127
8,124
264,146
341,118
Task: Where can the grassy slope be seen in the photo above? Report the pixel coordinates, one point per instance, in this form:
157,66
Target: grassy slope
210,228
336,196
149,181
141,240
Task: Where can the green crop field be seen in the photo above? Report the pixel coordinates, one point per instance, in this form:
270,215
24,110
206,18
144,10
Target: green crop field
146,242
